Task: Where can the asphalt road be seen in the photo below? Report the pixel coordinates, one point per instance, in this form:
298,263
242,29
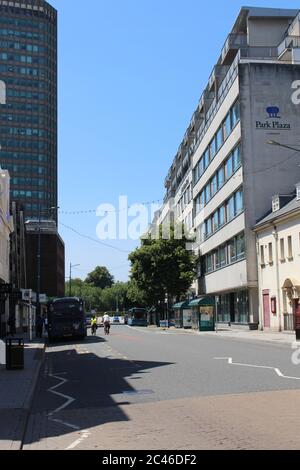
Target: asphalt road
147,388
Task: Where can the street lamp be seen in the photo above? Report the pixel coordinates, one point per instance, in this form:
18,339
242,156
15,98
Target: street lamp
38,283
278,144
70,280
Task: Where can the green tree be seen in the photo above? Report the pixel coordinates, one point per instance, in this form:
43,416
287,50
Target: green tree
100,278
161,267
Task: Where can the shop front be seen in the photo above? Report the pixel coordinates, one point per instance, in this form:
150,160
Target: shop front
203,313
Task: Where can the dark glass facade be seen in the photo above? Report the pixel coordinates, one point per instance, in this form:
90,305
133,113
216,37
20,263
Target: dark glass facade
28,121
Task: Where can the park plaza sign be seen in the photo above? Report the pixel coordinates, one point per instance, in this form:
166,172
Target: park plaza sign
273,120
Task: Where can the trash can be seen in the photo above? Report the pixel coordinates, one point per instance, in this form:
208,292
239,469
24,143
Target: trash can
14,354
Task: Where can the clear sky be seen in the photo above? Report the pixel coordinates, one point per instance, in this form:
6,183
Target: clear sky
131,73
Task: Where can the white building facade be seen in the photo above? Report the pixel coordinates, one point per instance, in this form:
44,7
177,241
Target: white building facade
278,254
247,102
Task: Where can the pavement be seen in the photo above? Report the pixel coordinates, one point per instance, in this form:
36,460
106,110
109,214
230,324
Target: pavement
288,338
16,392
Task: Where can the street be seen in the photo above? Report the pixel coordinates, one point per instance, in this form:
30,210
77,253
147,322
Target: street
153,389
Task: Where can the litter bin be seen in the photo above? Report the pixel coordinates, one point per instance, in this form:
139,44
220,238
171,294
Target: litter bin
14,354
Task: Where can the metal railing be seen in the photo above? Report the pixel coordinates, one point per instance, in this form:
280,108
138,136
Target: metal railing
290,42
233,41
288,322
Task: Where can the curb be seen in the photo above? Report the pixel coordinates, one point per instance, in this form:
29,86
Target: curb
29,399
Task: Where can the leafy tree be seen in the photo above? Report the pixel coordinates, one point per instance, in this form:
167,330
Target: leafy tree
100,277
161,267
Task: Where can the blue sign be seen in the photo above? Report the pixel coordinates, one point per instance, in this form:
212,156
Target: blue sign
273,112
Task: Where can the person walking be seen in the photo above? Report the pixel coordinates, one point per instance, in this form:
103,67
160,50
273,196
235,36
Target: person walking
106,322
39,326
12,326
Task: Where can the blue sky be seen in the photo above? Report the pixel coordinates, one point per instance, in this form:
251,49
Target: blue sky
130,75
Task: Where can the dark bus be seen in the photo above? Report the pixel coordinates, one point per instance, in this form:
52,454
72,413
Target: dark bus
138,317
66,318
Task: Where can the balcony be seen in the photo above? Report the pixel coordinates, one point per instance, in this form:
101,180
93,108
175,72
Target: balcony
232,44
285,48
259,53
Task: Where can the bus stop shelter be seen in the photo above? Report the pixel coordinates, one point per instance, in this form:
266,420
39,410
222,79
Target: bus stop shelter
183,315
203,313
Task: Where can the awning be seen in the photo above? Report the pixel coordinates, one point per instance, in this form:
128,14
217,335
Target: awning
202,301
181,305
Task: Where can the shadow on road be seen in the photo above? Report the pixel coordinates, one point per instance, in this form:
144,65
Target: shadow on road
98,386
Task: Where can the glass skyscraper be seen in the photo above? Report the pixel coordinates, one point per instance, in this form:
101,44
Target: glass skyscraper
28,120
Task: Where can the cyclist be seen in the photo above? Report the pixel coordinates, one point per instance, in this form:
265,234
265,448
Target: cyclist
106,322
94,324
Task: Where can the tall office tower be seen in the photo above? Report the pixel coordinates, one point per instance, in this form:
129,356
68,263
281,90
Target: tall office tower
28,120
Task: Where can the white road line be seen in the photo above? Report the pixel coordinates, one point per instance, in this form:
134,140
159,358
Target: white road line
68,399
85,435
275,369
68,425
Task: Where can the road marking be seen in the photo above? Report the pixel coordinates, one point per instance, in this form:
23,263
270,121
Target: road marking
68,399
275,369
85,435
68,425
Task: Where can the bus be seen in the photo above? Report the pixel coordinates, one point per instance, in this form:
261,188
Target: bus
138,317
66,318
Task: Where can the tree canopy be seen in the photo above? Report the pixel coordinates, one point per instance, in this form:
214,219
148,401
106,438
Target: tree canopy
161,268
100,277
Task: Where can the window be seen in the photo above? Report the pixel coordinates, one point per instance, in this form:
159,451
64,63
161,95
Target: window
290,248
270,253
206,159
239,202
229,168
212,148
235,114
209,263
241,307
230,209
227,126
222,255
214,185
208,228
207,193
219,139
232,250
275,204
215,221
226,254
217,259
240,246
282,254
222,216
221,177
262,255
236,158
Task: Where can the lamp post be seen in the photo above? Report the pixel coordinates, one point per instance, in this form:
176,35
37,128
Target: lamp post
70,280
278,144
38,283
